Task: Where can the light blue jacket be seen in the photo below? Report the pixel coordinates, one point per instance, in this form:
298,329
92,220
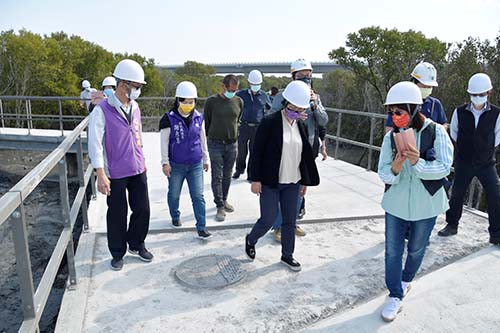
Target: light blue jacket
407,197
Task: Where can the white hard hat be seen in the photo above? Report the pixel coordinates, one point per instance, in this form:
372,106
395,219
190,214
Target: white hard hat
129,70
298,93
425,73
255,77
109,81
85,84
186,89
299,65
479,83
404,92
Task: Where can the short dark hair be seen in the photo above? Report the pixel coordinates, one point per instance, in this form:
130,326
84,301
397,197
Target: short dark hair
274,90
230,79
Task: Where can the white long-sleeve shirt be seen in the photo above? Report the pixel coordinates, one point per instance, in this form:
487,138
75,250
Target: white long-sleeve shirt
477,114
291,154
165,140
95,132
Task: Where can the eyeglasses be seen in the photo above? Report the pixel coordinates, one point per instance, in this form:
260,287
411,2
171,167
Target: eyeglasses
479,95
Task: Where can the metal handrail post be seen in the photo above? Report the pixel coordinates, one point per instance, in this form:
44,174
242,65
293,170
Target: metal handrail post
337,142
27,117
61,126
81,179
370,150
1,113
472,190
30,115
63,186
23,261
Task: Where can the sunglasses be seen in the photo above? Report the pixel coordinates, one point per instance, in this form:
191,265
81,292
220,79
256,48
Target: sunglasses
397,113
479,95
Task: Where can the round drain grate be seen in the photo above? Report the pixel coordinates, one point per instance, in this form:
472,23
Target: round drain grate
210,271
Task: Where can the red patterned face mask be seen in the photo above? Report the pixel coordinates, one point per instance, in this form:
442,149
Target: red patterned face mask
401,121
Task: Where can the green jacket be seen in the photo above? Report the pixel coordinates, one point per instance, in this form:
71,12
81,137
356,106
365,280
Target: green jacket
407,197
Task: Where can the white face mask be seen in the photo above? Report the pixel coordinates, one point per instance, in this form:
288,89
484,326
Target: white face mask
479,100
134,93
426,92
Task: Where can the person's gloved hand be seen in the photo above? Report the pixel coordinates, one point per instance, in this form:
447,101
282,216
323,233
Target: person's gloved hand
430,154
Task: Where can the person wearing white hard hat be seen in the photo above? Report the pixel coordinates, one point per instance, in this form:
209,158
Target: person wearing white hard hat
222,114
475,128
424,75
255,104
282,167
86,94
316,121
109,86
184,154
414,194
115,151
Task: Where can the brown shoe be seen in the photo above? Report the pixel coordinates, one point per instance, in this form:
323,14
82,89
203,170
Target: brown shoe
299,231
221,214
228,208
277,235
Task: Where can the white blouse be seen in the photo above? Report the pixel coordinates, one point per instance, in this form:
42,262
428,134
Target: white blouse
291,153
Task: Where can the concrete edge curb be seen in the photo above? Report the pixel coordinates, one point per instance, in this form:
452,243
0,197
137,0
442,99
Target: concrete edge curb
74,302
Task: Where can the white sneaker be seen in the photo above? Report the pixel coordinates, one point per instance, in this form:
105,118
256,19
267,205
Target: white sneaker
390,311
406,287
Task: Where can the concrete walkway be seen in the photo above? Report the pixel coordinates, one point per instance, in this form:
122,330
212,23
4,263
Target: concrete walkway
342,259
345,191
462,297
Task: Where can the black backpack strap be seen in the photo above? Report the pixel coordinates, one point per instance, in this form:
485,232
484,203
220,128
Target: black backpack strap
427,138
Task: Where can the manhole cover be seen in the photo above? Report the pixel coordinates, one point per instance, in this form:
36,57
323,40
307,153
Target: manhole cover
210,271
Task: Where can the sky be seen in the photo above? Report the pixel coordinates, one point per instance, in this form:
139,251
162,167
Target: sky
173,32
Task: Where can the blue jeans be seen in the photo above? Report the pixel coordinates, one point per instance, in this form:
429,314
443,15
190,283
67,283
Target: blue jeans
193,173
395,232
285,195
279,219
222,158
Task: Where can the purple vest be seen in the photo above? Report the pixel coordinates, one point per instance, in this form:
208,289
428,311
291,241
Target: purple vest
123,142
184,143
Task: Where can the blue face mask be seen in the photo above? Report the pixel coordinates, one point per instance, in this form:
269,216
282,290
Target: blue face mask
255,87
108,92
229,94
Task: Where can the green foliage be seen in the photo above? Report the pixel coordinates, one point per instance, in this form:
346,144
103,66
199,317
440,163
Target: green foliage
383,57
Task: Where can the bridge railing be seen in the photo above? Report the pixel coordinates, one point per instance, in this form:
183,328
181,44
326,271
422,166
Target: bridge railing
152,109
12,209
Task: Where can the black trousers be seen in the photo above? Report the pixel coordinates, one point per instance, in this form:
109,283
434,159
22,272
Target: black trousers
116,216
488,177
246,138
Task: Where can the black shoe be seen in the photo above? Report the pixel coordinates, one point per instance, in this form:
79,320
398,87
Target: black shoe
302,212
176,223
236,175
116,264
249,249
291,263
204,234
495,240
448,231
142,254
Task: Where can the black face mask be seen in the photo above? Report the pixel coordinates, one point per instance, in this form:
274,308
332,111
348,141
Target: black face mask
306,80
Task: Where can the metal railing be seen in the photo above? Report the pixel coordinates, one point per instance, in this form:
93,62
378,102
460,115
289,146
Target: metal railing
12,209
475,188
58,116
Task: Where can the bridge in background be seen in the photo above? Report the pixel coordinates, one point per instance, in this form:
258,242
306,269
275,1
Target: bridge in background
264,67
